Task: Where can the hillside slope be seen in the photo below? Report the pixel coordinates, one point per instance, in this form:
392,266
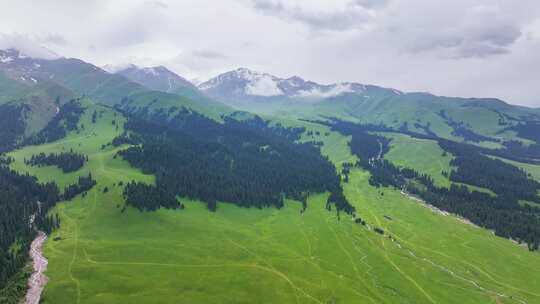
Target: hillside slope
27,105
481,120
162,79
111,89
265,255
157,78
333,197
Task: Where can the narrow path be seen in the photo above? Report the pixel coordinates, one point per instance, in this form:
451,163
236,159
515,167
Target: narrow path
70,269
380,149
472,282
449,271
37,280
74,255
391,262
234,265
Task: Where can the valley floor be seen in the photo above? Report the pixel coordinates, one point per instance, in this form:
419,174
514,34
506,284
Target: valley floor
104,254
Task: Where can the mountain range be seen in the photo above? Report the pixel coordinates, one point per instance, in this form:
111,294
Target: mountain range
249,187
244,83
294,97
157,78
135,88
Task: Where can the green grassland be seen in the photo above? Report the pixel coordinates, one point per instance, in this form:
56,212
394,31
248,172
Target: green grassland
425,156
237,255
111,89
154,101
416,110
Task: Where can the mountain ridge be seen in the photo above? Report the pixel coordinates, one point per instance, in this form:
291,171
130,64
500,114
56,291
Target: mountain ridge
247,82
144,148
297,87
136,89
83,78
158,78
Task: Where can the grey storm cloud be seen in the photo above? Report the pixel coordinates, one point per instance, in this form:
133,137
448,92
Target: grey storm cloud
480,32
372,3
462,43
209,54
476,31
350,15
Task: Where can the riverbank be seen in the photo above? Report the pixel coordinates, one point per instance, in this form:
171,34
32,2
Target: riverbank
37,280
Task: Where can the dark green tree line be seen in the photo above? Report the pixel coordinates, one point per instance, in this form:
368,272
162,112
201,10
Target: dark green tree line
67,161
245,162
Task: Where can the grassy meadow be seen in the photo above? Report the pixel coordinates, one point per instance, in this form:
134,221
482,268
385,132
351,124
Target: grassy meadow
104,254
426,156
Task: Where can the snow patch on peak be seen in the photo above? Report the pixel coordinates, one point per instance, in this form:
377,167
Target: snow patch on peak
249,75
259,84
5,59
206,85
263,85
9,55
332,91
245,82
295,81
24,51
196,81
153,71
115,68
246,74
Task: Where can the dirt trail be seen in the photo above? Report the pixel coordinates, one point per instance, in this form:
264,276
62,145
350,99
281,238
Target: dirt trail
37,281
380,150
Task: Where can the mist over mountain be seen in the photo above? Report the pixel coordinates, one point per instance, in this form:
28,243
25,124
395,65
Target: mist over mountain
245,83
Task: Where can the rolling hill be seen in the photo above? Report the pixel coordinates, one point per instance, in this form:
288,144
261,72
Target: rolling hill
154,190
83,78
163,80
452,118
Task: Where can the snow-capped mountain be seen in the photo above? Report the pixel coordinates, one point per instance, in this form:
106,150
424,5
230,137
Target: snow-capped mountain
8,55
13,56
18,66
156,78
247,83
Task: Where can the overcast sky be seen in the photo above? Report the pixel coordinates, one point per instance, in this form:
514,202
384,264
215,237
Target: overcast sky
482,48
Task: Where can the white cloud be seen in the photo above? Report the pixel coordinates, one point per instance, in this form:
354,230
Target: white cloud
455,48
114,68
27,45
336,90
263,85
